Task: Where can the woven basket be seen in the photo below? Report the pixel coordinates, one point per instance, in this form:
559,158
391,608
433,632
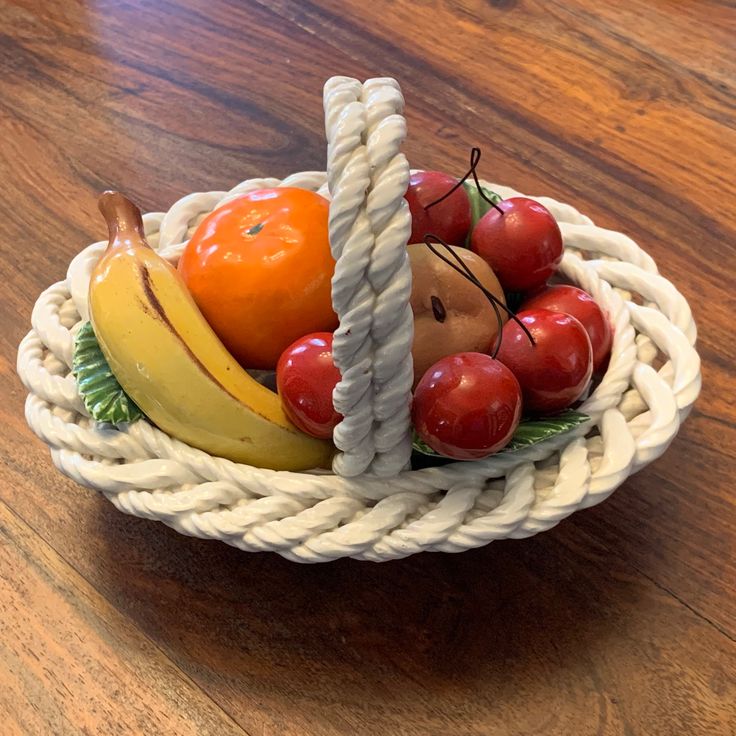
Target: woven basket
355,511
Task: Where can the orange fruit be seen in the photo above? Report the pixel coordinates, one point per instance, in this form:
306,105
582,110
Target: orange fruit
260,270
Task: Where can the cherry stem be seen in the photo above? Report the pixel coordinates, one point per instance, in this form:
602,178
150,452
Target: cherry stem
464,270
475,154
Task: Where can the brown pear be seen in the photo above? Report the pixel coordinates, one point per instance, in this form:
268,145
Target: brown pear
451,314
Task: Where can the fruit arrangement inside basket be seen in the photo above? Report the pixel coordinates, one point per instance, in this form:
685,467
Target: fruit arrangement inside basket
500,355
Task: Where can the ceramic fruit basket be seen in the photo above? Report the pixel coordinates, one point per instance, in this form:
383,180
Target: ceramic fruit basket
184,435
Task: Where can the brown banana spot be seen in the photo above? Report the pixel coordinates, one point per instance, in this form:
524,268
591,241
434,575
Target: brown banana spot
160,313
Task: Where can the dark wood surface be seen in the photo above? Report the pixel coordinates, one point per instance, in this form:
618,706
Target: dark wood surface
619,622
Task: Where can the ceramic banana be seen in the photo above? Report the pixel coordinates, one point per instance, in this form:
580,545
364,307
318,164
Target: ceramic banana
171,363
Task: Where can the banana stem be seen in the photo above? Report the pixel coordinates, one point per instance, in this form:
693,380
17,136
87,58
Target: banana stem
123,219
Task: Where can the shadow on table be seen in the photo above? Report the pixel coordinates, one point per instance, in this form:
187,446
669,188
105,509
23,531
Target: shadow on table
256,624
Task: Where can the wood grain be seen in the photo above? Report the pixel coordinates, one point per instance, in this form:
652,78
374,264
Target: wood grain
620,621
72,663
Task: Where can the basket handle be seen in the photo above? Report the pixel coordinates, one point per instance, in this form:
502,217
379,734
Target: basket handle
369,225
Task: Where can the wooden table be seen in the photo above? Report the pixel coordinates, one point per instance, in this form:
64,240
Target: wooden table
620,621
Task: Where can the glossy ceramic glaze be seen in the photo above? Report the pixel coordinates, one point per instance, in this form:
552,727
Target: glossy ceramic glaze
449,219
263,254
554,371
582,306
306,376
521,241
467,406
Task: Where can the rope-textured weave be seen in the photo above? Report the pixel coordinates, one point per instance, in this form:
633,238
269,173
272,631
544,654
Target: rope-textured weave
369,229
635,412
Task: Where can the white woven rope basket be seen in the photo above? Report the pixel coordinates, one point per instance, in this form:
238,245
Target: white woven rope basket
650,385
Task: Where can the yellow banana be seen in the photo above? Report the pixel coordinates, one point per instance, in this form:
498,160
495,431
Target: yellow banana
171,363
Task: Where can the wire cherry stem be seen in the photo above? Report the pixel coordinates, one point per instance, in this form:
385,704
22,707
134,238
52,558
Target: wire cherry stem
430,240
475,154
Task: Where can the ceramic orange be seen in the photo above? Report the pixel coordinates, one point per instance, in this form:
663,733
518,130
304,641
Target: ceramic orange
260,268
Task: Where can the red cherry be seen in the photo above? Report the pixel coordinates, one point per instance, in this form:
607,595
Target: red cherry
523,245
581,305
554,371
449,219
467,406
305,378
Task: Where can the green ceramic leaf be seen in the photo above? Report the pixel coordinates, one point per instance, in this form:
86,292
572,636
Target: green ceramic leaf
478,205
532,431
529,432
103,396
421,446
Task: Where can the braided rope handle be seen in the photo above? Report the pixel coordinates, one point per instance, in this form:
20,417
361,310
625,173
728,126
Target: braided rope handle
369,228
